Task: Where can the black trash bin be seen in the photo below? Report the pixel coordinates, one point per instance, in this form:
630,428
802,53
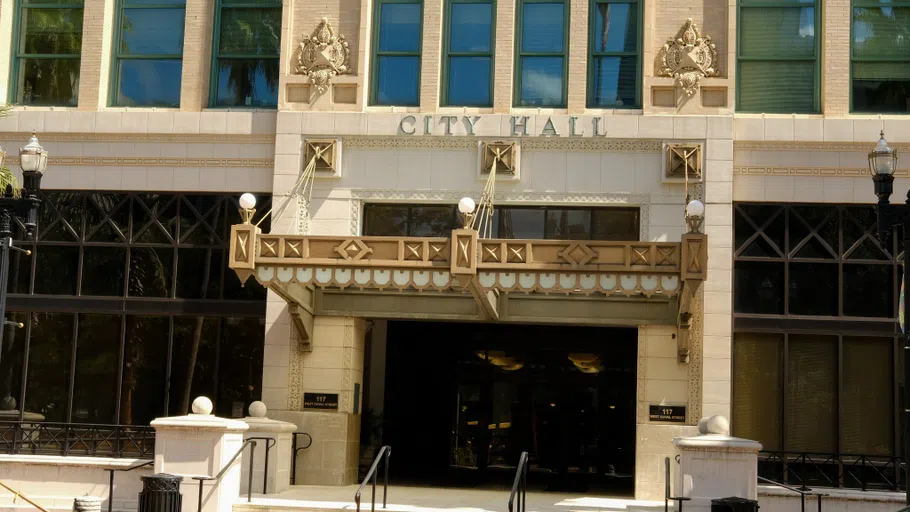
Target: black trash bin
734,505
160,493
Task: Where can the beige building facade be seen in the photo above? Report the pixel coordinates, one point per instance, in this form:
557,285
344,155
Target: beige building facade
334,146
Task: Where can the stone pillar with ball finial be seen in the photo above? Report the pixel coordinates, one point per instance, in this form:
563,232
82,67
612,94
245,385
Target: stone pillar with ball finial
715,465
272,464
201,444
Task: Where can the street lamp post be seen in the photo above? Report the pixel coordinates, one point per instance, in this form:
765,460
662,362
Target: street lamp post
19,203
882,164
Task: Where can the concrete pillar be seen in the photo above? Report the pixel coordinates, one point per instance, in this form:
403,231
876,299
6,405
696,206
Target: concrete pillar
332,372
201,444
714,465
278,465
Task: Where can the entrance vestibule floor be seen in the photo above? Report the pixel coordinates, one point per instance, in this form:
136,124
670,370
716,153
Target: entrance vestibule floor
308,498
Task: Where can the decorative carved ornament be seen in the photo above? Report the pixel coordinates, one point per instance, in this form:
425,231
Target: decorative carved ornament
683,159
688,58
326,152
503,154
323,55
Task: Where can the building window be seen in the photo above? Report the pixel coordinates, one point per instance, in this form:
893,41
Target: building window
47,53
880,67
815,338
469,53
397,33
130,311
148,59
539,223
247,52
614,63
777,53
540,74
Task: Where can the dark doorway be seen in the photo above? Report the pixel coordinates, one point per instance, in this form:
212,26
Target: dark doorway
462,401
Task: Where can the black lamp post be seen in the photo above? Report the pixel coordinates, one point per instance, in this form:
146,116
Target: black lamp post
882,164
19,203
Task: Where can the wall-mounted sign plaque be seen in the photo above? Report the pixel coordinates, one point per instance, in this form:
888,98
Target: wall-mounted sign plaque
325,401
667,413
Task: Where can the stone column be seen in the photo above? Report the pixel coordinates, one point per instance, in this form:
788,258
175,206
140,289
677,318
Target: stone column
334,367
278,465
201,444
94,70
714,465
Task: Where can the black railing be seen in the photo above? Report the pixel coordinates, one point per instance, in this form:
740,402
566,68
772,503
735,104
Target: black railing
520,485
269,443
384,453
864,472
295,450
249,487
668,496
48,438
802,491
110,488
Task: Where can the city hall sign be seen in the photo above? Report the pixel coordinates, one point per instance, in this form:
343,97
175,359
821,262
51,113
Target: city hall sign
518,126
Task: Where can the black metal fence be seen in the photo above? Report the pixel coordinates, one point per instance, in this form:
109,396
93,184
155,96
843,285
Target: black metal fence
46,438
866,472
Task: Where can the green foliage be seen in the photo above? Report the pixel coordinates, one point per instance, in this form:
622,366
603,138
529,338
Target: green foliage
7,178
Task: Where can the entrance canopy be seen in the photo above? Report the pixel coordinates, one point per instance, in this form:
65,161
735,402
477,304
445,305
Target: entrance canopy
464,277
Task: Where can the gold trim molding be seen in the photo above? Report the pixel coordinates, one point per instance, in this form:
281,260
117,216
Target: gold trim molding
525,143
145,137
792,145
820,172
106,161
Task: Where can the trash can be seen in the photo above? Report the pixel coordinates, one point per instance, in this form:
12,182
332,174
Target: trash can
734,505
160,493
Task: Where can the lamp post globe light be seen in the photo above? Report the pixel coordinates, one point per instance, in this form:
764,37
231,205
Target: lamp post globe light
23,203
882,165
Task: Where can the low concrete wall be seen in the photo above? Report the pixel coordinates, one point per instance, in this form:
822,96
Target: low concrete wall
777,499
54,482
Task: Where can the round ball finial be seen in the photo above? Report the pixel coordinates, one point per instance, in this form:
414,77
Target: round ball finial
466,205
202,405
703,426
258,409
248,201
718,425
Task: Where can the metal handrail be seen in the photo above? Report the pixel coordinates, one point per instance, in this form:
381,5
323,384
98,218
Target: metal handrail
520,484
110,489
667,497
805,491
269,443
294,451
384,452
18,494
249,487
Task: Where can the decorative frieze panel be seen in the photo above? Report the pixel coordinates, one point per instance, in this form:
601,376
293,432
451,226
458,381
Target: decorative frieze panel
626,285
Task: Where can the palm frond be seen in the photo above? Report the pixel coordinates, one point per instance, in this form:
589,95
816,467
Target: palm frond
7,178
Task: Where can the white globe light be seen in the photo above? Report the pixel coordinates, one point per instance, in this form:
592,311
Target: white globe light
466,205
248,201
695,208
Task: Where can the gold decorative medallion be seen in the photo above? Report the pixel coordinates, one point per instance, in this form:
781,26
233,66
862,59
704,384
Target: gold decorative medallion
500,153
688,58
323,55
683,159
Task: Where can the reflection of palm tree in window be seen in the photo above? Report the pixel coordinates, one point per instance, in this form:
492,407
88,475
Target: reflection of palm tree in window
604,34
881,33
55,31
246,32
